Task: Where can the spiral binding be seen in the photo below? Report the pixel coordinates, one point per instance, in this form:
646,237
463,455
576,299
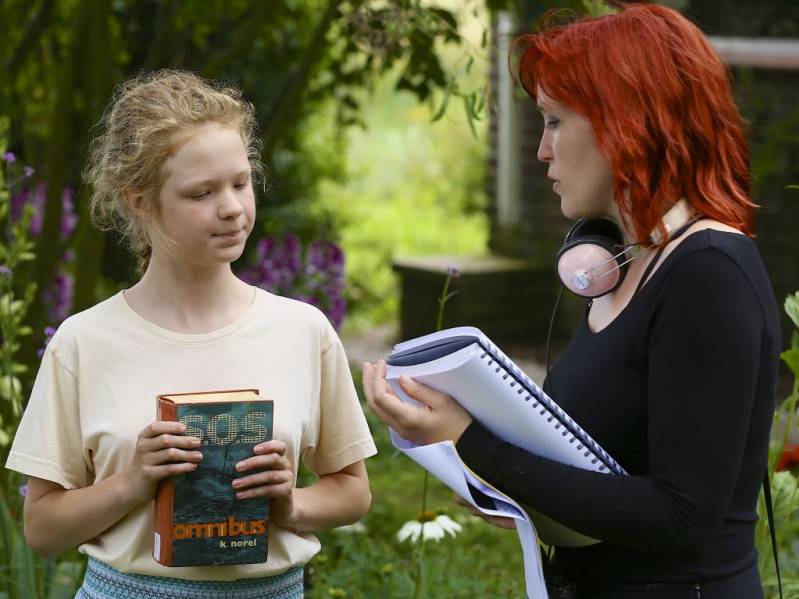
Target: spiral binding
547,406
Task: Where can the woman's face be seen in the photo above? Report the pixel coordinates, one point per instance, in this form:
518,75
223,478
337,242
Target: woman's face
582,175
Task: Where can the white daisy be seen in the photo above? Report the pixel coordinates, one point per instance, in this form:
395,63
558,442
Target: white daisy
428,527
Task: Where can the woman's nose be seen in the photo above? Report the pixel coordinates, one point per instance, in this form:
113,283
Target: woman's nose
544,153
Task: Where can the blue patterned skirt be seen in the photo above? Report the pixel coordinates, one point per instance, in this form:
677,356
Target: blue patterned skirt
104,582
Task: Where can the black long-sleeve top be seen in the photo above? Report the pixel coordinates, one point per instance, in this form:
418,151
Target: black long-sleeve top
679,388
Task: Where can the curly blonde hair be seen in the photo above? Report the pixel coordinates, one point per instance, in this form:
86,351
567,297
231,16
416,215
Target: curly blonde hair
148,118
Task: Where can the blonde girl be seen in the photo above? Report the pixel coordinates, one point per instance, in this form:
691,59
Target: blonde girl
173,170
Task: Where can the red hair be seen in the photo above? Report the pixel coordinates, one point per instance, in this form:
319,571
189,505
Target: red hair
660,103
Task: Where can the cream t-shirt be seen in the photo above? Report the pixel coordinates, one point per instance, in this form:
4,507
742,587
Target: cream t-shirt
96,388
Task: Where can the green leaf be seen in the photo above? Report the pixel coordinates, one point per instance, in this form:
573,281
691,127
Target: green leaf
468,105
791,358
792,187
792,308
443,108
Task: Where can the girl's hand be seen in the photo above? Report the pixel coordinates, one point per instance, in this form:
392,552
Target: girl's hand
438,418
275,483
161,451
498,521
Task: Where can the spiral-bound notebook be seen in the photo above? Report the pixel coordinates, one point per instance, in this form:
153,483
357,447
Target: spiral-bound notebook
465,364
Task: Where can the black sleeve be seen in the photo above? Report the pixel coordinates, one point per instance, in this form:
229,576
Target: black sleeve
704,351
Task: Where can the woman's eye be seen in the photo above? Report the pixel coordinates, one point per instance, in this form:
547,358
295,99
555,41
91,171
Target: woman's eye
240,186
200,195
551,123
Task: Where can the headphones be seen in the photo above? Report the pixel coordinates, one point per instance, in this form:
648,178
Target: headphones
593,259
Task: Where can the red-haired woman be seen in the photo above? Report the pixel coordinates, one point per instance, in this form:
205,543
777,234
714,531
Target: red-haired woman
673,371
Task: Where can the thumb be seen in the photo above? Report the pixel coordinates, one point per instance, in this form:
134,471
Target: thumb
420,392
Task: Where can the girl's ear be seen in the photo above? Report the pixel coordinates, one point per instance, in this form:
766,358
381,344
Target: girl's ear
134,200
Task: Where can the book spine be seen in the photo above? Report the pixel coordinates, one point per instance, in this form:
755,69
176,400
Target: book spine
164,499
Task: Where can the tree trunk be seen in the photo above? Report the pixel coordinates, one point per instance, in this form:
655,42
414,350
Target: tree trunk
49,247
90,243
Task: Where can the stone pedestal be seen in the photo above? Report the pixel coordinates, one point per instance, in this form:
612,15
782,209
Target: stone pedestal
508,299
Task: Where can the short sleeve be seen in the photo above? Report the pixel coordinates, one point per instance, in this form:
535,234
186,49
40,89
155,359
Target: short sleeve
343,434
48,443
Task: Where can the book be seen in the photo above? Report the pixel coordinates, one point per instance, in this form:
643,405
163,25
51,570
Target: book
465,364
198,519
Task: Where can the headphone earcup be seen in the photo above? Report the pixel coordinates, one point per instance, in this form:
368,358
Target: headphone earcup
589,263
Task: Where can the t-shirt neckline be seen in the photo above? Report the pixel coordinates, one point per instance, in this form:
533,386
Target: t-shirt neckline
190,338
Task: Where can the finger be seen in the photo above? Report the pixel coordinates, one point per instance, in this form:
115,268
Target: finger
272,446
422,393
271,491
171,455
271,461
500,522
367,377
385,417
165,440
161,471
160,427
271,477
392,410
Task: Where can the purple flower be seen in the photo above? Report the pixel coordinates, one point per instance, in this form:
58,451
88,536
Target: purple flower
453,272
5,270
9,157
58,297
23,490
29,170
48,334
315,276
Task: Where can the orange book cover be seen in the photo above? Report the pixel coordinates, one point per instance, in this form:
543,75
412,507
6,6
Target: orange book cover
198,520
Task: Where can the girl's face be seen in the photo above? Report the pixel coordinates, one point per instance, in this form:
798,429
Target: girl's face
582,175
207,203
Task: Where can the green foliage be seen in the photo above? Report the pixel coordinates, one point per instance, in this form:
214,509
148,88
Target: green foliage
482,561
23,574
413,189
15,297
784,485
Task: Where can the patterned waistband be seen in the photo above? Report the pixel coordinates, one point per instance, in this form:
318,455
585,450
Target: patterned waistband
104,582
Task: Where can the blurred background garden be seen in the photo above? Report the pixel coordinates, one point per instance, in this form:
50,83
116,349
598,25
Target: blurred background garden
396,147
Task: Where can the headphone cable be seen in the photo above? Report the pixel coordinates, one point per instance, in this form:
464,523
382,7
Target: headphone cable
549,330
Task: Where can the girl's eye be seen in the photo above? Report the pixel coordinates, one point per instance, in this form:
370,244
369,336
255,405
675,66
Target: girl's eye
551,123
200,195
240,186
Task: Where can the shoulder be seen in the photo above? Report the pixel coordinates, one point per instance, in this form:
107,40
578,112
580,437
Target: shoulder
86,322
298,317
721,269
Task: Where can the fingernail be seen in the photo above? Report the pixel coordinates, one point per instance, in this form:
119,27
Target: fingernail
406,379
239,466
237,482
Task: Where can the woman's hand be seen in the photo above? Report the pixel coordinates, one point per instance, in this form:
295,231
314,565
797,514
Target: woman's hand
498,521
276,482
162,450
438,418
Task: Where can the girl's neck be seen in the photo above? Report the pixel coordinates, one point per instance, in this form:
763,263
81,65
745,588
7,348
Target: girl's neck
186,299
